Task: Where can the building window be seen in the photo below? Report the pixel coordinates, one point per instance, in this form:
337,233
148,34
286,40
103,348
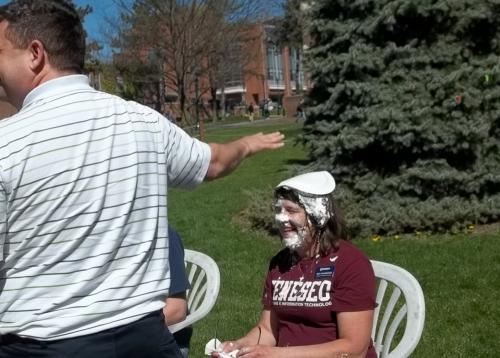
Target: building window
274,65
232,67
296,68
234,79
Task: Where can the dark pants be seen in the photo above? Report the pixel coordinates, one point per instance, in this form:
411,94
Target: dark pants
145,338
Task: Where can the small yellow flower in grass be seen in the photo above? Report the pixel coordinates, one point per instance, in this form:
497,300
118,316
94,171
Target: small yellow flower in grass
418,233
376,238
470,228
397,237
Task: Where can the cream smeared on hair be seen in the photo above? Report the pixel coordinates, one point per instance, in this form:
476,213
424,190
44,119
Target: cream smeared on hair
316,207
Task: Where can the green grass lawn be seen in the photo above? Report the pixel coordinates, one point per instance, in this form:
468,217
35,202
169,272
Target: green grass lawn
460,274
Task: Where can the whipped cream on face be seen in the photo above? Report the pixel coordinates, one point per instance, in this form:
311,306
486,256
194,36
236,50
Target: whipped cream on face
293,240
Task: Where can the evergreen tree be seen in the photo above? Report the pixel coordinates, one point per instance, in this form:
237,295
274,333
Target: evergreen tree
405,110
291,34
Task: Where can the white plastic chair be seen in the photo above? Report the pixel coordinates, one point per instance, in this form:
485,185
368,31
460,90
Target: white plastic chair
393,308
204,277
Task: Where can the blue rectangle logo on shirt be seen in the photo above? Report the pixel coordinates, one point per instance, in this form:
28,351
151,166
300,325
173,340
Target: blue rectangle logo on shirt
324,272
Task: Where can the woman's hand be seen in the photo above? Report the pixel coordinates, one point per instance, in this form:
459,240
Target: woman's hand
259,339
227,347
258,352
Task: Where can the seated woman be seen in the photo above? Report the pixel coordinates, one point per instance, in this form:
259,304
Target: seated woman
319,294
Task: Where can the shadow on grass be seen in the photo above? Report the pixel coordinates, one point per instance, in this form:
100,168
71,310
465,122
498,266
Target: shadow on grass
301,162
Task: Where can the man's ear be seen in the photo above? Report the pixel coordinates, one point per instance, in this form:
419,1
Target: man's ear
37,55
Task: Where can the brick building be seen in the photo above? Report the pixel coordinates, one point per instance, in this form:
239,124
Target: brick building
270,74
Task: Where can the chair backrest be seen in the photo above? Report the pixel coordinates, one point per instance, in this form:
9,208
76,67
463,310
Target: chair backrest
204,277
393,307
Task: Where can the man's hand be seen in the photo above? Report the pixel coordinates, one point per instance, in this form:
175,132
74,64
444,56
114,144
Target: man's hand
260,141
226,157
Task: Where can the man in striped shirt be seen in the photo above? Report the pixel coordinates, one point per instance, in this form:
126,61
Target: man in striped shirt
84,267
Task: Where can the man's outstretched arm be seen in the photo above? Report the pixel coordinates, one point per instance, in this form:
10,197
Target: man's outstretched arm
226,157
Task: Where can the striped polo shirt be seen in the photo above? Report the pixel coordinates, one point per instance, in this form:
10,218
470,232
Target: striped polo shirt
83,209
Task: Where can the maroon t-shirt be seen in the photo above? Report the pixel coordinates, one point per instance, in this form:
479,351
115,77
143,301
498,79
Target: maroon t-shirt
307,295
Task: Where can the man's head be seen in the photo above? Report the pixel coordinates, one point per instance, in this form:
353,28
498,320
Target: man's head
38,40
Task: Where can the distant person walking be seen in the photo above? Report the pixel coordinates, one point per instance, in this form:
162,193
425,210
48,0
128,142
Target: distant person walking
84,177
251,112
301,114
267,107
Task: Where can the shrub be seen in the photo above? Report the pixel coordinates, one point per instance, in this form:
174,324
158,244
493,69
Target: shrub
258,214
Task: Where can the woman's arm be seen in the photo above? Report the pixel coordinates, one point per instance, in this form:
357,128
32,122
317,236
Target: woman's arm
263,334
353,342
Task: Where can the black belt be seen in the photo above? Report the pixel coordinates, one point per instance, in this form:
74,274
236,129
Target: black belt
10,338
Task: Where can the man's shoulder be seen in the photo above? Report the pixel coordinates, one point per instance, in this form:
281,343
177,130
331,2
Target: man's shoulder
120,105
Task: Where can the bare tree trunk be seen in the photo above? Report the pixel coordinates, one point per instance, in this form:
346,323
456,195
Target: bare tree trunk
99,81
199,120
223,99
298,81
182,104
215,112
161,88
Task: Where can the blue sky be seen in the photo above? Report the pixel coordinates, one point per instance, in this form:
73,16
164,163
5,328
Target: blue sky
95,22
